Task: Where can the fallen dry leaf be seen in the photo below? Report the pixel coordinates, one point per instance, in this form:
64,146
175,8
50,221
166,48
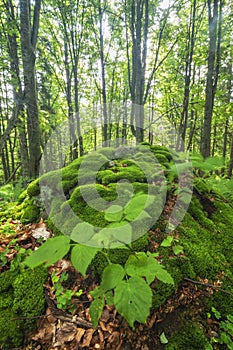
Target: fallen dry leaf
87,338
79,334
66,333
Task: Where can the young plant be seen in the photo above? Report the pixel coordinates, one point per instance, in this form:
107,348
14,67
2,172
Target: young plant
128,287
63,296
170,241
225,330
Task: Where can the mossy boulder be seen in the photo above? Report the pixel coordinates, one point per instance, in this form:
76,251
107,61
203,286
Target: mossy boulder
22,298
189,336
205,232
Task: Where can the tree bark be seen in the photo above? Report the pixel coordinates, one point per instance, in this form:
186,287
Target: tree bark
230,167
215,19
28,45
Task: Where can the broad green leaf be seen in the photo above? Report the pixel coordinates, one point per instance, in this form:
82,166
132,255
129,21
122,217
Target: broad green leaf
137,204
148,267
133,300
96,309
163,275
141,265
81,257
113,213
97,292
121,233
102,239
82,232
163,338
112,275
109,298
177,249
50,252
112,236
167,241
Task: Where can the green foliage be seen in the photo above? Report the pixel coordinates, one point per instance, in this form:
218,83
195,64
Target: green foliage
50,252
208,165
63,296
132,298
132,293
6,193
225,330
81,257
137,267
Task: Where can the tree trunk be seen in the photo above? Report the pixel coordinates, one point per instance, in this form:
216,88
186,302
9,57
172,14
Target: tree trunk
28,45
103,78
230,167
215,19
188,72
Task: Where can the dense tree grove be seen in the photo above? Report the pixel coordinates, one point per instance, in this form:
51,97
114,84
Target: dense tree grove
61,60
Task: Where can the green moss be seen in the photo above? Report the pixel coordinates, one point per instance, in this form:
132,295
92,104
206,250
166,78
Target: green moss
33,188
131,173
222,301
99,263
161,158
22,298
6,299
190,337
200,215
6,280
108,152
11,335
31,213
22,196
29,293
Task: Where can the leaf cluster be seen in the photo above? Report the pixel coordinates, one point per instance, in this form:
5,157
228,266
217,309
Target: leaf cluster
128,287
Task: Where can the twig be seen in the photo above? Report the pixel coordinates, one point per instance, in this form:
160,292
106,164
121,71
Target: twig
207,285
66,317
75,319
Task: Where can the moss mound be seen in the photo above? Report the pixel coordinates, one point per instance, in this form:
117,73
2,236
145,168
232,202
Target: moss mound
22,298
86,187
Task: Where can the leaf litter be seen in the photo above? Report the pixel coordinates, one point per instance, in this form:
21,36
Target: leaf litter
61,330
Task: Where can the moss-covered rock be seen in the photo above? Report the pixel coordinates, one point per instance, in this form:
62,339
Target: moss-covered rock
205,232
190,336
30,213
33,188
22,298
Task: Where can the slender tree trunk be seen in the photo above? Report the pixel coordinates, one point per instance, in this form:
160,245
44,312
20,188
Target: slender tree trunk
215,19
28,38
188,72
103,77
230,167
18,93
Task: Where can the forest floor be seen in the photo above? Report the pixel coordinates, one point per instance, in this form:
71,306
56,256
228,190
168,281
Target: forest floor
62,330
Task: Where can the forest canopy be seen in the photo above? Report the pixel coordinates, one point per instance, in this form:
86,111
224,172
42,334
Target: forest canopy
62,60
